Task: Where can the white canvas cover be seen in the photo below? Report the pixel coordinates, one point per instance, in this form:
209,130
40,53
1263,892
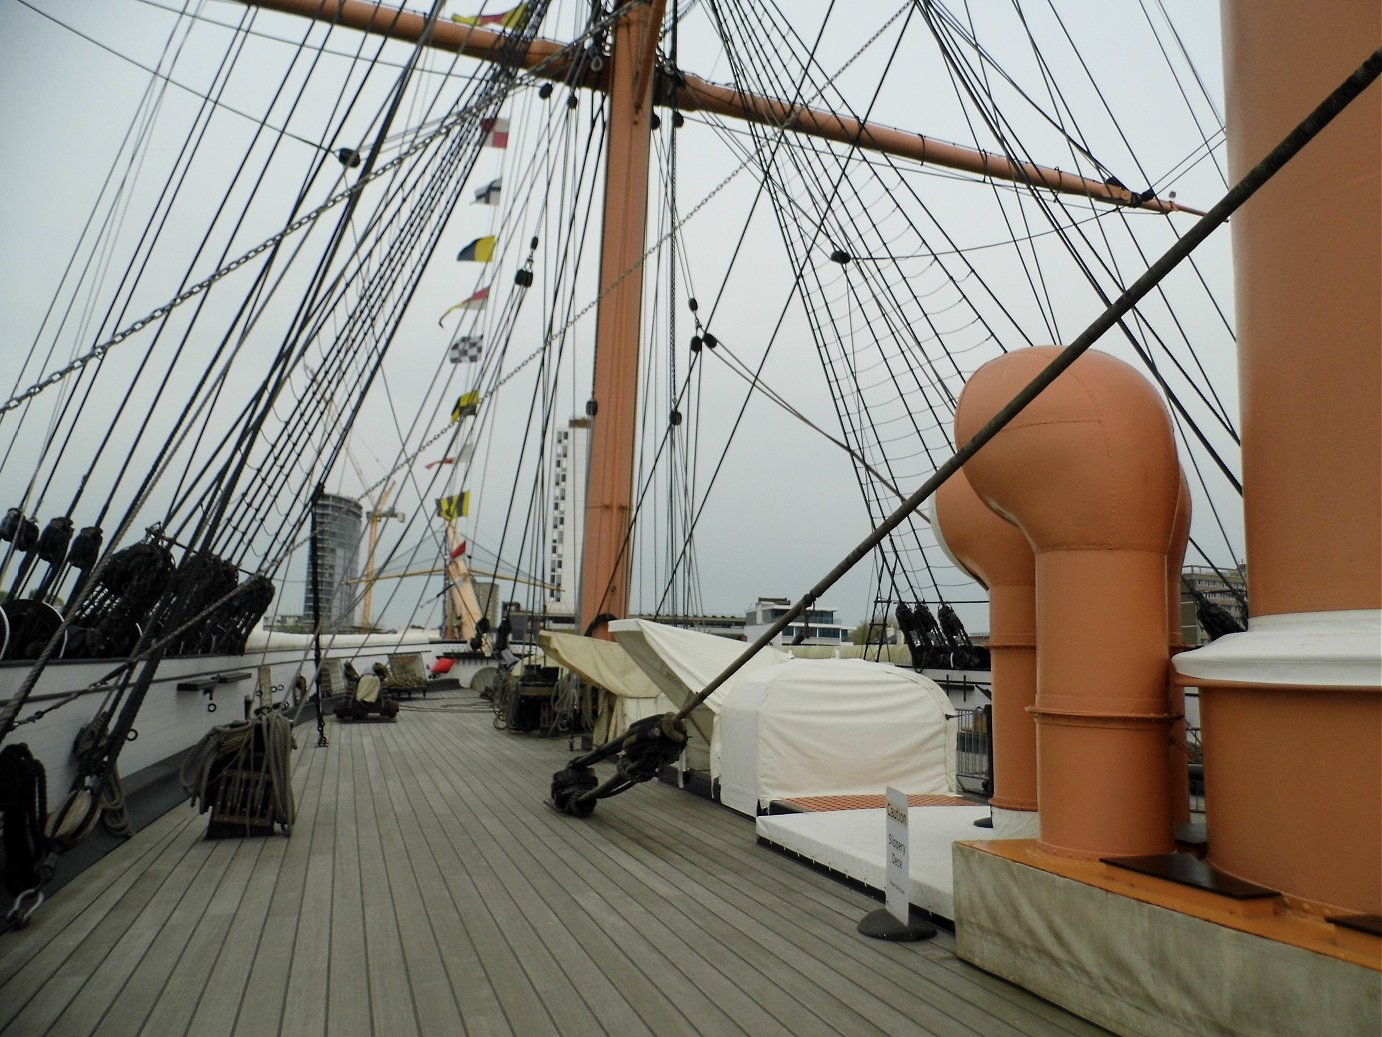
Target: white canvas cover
896,654
627,694
681,662
823,727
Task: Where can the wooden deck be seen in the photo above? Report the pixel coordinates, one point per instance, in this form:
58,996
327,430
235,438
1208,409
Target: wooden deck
427,889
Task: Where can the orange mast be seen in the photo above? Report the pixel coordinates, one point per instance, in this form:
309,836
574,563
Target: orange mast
606,559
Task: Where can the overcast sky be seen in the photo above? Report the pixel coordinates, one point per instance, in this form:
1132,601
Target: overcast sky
786,505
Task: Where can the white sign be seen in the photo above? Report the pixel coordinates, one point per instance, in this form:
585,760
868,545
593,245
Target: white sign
897,880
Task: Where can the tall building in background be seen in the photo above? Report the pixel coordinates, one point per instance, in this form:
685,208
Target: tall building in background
568,516
336,524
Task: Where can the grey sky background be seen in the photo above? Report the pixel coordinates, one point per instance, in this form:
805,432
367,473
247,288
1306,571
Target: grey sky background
787,505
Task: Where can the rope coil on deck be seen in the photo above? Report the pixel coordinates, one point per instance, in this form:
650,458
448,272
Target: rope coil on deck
230,759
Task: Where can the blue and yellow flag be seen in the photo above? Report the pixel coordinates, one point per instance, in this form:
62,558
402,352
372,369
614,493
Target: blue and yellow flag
481,250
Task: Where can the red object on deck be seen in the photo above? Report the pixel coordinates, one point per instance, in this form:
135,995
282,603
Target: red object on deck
443,665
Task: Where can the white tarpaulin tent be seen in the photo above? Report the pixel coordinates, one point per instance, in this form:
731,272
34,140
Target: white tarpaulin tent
682,662
819,727
627,692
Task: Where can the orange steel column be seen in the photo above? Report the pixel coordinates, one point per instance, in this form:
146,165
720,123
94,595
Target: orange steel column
996,553
1175,694
1292,710
1088,472
605,563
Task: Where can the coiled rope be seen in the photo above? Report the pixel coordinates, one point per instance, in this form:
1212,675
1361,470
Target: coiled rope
91,749
230,757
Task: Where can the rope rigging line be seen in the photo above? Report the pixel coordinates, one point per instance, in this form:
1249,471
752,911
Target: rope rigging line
158,313
6,719
52,440
169,79
387,272
183,346
1003,133
298,338
1252,181
810,231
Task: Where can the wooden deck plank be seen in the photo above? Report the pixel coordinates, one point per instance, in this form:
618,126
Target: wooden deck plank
597,933
190,972
227,984
347,986
715,979
63,925
305,1000
497,923
152,984
421,962
427,888
392,1006
610,1005
662,889
856,957
742,913
94,973
720,829
841,932
81,901
460,959
261,1010
803,1004
1009,1005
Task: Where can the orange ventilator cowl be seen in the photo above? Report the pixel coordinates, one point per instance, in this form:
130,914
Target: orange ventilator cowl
996,553
1088,472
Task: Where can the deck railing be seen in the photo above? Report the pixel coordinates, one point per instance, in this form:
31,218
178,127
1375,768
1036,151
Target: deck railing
1196,753
973,750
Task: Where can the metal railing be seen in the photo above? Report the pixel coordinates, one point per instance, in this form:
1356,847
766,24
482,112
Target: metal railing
1196,764
974,750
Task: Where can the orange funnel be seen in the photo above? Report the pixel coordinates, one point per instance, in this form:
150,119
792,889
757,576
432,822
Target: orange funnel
1292,710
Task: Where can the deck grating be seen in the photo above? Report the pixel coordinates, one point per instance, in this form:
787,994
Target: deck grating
428,889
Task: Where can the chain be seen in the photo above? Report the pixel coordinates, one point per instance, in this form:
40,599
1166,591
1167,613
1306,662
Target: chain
443,129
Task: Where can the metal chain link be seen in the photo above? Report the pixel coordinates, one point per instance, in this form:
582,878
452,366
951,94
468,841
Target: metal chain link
443,129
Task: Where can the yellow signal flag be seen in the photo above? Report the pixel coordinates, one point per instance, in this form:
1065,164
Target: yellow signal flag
504,19
454,507
466,404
